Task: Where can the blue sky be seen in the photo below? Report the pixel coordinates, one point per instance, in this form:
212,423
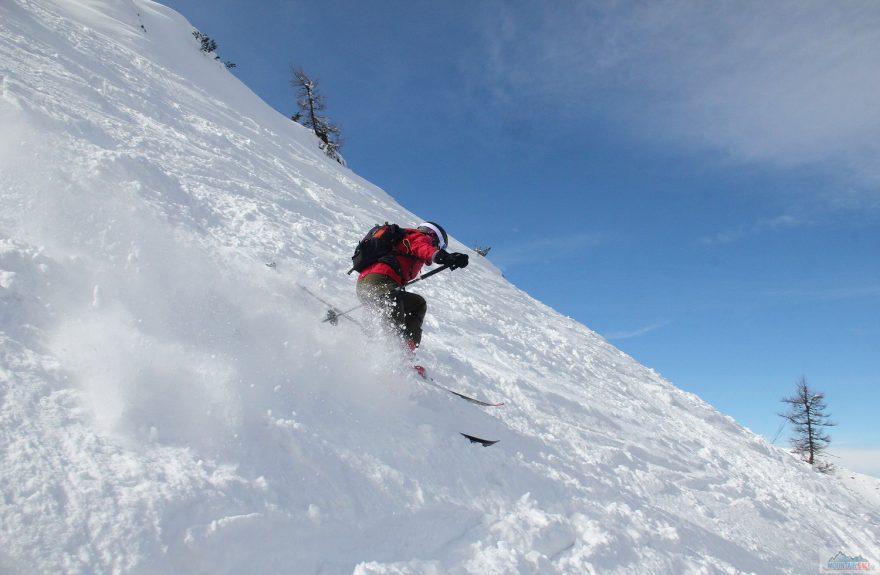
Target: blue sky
697,181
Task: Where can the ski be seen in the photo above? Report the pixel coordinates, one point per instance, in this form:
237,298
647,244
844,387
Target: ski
483,442
422,372
472,438
334,313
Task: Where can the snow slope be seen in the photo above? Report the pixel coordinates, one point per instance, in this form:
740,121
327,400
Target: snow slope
170,404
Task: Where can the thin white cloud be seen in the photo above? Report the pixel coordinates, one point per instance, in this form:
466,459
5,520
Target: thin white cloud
789,83
618,335
778,223
830,294
547,249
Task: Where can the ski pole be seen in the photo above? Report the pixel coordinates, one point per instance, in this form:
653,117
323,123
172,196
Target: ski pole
425,276
333,316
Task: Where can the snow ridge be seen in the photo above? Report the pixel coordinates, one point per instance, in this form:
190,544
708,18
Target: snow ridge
170,404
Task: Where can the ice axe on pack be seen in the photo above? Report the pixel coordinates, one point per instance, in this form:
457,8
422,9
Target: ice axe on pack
333,314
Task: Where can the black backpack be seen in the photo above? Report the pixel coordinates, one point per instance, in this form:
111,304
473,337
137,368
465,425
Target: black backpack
378,246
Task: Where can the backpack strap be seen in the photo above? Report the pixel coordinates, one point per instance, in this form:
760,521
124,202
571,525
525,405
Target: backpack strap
391,258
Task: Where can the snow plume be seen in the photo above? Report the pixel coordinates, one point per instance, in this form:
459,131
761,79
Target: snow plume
169,403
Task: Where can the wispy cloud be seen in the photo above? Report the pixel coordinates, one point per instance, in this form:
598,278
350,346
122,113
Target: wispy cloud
766,225
790,83
618,335
830,294
548,249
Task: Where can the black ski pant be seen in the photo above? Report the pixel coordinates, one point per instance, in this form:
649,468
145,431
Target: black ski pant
403,310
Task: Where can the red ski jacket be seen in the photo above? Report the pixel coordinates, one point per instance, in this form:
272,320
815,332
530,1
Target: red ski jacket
421,250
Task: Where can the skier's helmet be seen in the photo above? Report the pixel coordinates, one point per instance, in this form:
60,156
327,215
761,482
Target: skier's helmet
438,231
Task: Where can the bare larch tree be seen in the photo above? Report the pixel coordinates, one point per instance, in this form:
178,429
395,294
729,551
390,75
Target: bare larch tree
808,417
311,104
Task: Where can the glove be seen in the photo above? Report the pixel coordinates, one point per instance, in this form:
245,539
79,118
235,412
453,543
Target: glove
454,260
459,260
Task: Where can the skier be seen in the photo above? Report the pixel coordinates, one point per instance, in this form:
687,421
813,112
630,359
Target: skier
380,285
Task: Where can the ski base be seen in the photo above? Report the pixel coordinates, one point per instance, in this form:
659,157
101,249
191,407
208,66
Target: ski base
480,440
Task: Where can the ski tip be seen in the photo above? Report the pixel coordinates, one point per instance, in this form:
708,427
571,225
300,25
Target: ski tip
481,441
477,401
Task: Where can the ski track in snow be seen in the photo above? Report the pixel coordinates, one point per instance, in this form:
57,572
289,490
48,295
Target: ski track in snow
170,404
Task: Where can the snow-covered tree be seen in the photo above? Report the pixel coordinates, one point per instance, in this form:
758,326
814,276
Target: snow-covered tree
209,46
